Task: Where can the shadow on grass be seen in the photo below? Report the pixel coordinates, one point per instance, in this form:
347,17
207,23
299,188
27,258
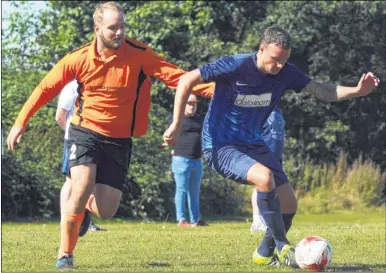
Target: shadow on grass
359,268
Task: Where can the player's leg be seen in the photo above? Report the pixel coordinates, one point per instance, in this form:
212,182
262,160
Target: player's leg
182,172
82,159
64,195
87,223
112,166
82,179
194,185
258,223
66,188
241,164
65,261
287,206
268,202
105,201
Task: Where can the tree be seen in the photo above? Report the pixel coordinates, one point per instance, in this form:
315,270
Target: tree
332,41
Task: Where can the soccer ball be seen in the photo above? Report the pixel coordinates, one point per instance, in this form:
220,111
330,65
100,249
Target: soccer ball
313,253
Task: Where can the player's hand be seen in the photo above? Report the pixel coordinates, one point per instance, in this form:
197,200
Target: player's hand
171,135
367,84
14,137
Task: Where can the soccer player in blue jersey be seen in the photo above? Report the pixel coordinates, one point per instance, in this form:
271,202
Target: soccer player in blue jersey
248,87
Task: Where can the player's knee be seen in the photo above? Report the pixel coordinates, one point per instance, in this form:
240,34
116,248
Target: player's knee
261,177
75,204
79,196
266,179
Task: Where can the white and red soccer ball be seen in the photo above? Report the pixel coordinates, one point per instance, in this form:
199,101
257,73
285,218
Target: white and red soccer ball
313,253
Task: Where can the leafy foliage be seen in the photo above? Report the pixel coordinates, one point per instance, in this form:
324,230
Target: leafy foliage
24,192
328,187
332,41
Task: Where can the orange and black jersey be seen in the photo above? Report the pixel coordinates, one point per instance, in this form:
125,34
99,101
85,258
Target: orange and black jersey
114,94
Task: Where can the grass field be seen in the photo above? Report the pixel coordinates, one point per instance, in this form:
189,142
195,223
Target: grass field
358,242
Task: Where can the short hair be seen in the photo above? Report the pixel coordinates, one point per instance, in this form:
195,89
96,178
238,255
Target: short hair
276,35
98,13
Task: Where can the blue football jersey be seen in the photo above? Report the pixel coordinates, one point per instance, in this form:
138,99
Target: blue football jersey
243,98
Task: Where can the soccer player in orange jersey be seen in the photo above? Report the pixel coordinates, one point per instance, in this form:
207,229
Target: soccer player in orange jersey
113,75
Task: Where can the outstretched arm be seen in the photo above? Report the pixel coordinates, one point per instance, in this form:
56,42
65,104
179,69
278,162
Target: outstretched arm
185,84
333,92
49,88
210,72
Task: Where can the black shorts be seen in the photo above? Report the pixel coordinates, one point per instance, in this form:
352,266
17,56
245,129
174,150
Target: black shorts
111,155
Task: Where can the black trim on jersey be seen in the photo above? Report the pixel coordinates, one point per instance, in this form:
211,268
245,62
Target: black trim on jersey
141,79
135,46
79,48
81,101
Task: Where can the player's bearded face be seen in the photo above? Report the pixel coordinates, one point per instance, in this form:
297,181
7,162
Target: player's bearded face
273,58
110,42
112,30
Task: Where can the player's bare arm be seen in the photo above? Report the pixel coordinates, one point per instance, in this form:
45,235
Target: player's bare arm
332,92
185,84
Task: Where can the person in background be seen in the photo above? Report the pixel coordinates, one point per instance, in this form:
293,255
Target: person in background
187,166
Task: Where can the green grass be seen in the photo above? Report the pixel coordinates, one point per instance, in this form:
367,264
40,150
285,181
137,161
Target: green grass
358,242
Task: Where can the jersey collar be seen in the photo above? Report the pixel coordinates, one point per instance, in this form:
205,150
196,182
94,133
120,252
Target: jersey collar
92,53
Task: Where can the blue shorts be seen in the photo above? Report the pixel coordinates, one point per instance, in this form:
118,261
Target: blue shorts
65,161
234,161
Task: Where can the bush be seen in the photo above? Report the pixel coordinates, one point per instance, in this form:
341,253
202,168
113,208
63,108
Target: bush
25,193
220,196
329,187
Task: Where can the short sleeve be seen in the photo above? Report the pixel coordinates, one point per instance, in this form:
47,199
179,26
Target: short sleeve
219,69
299,79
